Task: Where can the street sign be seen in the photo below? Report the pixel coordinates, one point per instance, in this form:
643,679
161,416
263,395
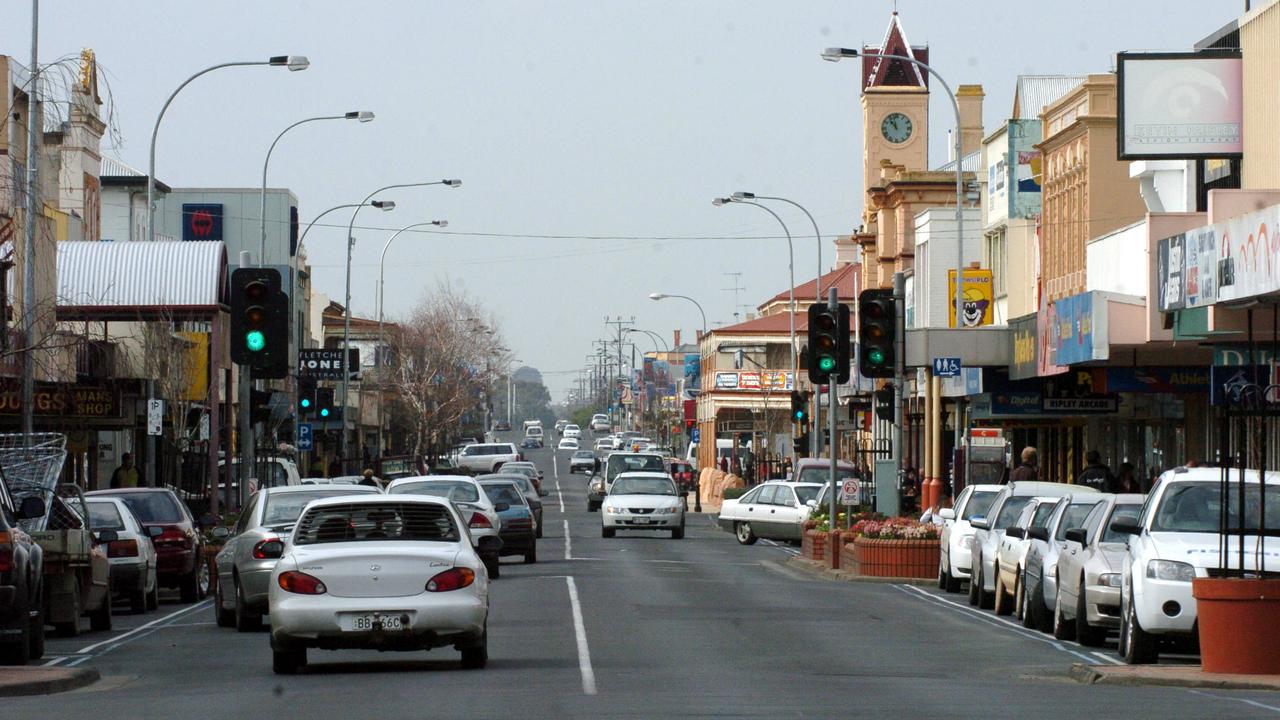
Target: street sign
849,491
155,417
305,438
696,436
204,428
946,367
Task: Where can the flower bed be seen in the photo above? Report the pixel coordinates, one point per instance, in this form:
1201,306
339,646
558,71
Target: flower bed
894,547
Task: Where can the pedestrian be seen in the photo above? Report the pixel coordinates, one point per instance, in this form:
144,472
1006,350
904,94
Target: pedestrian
335,468
1095,474
317,467
1027,470
369,479
724,464
125,476
1127,482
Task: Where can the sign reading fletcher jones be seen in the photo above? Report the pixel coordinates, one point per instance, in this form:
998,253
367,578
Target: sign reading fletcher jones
325,364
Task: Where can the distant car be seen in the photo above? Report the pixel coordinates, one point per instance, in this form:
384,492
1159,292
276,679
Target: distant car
604,444
600,423
474,506
774,510
528,469
572,431
179,545
642,501
1040,576
955,559
487,457
1089,572
253,545
385,572
132,554
535,433
501,426
568,443
583,460
560,425
682,472
531,493
530,443
517,530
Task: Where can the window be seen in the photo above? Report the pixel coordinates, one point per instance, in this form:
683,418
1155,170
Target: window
978,505
247,514
806,493
105,516
749,497
783,496
1009,511
284,508
1091,521
767,494
1194,507
373,522
1043,512
153,507
504,493
1072,517
455,490
996,251
643,486
1121,513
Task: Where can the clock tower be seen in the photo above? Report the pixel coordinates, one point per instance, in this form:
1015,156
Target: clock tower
895,106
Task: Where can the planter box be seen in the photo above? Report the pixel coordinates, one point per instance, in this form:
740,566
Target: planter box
893,558
814,546
1238,628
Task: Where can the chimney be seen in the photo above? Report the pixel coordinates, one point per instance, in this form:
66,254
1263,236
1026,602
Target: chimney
846,251
969,97
676,342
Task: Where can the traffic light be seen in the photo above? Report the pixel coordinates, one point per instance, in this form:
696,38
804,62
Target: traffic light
877,333
306,397
884,403
828,344
324,404
799,408
259,322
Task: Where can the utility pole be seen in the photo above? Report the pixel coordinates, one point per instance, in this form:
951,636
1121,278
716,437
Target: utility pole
29,242
736,290
619,327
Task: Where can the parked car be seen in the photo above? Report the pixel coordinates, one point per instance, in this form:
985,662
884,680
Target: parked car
528,469
682,472
132,555
481,517
1175,539
642,501
956,561
77,572
179,545
352,576
516,528
1044,546
568,443
773,510
988,530
584,461
501,426
343,480
251,548
21,618
487,457
1011,553
533,495
1089,572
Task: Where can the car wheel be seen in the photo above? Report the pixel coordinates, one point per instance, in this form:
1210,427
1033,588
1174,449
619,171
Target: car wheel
986,600
138,598
1019,598
72,628
100,619
607,532
17,652
953,582
973,586
677,533
538,534
743,532
1001,603
288,662
943,578
1137,646
1087,634
153,595
222,616
1062,628
1029,616
35,637
476,655
246,621
1038,609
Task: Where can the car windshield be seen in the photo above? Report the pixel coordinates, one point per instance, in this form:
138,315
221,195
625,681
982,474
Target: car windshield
823,475
371,522
284,508
105,516
643,486
1073,517
153,507
455,490
503,493
584,454
806,493
1121,513
1194,507
979,503
1009,513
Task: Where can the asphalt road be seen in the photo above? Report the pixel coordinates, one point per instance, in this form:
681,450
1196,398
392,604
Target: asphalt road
639,626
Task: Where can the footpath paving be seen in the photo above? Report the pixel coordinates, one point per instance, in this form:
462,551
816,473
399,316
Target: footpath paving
1172,675
39,680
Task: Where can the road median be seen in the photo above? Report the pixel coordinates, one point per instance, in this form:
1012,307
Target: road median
41,680
1192,676
823,571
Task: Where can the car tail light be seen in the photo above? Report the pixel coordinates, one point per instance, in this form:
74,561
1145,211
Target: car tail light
6,552
122,548
478,520
261,551
301,583
451,579
174,537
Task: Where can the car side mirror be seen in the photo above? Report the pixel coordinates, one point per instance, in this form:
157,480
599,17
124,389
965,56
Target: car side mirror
980,522
1076,535
107,536
31,508
221,533
154,531
812,502
489,544
1038,533
269,550
947,513
1016,532
501,507
1126,527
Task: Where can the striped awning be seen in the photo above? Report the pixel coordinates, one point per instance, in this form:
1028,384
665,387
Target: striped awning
140,280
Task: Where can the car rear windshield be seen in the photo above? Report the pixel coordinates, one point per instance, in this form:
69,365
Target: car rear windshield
620,463
1194,507
823,475
1121,513
643,486
153,507
979,503
284,508
503,493
584,454
105,516
454,490
372,522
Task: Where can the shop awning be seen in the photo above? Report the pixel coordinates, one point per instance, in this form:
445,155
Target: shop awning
140,280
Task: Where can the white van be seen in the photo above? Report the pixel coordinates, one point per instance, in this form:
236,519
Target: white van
535,432
531,423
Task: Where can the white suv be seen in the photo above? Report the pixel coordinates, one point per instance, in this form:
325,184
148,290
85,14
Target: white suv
487,457
1175,540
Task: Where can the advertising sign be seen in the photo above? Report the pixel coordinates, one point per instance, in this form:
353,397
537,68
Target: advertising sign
1238,354
1081,329
1180,105
325,364
1157,379
1047,340
1022,360
769,380
1225,381
64,401
979,298
1230,260
726,381
1187,269
201,221
692,371
1017,402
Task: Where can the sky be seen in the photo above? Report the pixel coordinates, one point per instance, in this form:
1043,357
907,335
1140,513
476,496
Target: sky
591,137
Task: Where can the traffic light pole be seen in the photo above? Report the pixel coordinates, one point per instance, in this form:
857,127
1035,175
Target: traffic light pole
900,343
832,303
244,417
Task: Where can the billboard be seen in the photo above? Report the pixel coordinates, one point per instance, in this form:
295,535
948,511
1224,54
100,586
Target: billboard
979,298
1180,105
1230,260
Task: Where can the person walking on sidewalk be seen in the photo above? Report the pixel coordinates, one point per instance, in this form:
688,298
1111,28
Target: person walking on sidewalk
125,476
1027,470
1095,474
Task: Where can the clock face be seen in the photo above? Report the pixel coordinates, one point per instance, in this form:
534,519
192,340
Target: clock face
896,128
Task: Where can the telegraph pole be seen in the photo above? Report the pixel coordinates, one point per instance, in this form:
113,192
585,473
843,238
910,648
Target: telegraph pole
29,242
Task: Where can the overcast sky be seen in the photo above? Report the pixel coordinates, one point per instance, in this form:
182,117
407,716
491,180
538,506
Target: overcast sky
590,136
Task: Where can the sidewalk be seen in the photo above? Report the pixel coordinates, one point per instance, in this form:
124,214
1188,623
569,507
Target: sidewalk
40,680
822,571
1171,675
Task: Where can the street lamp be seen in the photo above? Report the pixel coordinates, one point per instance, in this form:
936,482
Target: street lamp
665,347
293,62
362,116
817,234
663,296
382,264
346,308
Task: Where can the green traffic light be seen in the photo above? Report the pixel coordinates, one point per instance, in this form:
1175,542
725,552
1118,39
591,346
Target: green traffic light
799,415
826,363
255,340
324,412
305,403
876,357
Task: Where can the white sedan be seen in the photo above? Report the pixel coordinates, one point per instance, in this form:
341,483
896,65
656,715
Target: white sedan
956,560
480,516
379,572
642,501
568,444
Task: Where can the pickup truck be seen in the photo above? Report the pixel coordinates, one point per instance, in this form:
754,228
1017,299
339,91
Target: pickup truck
77,573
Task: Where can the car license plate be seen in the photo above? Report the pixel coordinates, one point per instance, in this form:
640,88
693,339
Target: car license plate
642,521
365,623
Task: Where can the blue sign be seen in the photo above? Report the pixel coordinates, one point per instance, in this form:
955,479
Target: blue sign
946,367
1016,402
201,221
696,436
305,438
1076,337
1227,383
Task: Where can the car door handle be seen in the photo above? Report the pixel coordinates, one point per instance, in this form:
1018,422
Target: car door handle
772,512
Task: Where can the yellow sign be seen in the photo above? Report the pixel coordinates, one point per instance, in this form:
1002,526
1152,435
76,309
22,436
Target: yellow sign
979,298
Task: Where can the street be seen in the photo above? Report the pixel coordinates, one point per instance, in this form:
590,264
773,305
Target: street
691,628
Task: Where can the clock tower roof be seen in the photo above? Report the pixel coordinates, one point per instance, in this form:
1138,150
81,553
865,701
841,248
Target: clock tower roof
878,72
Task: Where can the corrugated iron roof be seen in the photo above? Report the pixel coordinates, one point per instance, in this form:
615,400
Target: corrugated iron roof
111,167
1033,92
134,277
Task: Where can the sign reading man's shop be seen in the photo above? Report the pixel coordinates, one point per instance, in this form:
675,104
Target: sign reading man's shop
53,400
325,364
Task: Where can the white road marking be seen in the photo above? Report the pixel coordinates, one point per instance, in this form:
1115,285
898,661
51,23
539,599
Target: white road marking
1108,658
1247,701
568,542
560,495
77,661
55,661
555,467
580,629
140,628
784,548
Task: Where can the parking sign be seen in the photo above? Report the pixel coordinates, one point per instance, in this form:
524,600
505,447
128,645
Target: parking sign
304,436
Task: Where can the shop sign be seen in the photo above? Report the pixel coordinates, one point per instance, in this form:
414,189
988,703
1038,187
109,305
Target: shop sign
1231,260
1226,381
749,381
1238,354
1080,406
1081,329
1022,359
978,295
1046,340
58,401
754,381
201,221
726,381
1017,402
1157,379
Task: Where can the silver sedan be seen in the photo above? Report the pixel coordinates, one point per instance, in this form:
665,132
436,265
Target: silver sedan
252,547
